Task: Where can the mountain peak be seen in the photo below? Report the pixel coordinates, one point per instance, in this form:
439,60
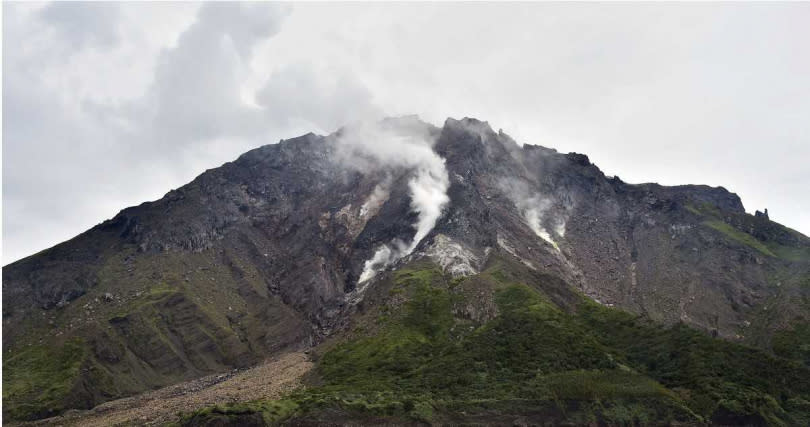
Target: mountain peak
472,126
285,246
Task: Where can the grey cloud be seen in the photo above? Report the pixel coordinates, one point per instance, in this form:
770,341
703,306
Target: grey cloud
674,93
84,23
71,161
245,23
327,98
196,93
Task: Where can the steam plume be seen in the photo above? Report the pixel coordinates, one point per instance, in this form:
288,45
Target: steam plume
376,146
535,210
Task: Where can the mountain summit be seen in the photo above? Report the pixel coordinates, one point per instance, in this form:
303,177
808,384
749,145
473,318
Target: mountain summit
300,243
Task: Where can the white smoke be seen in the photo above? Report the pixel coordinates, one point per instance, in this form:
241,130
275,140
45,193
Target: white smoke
428,198
535,209
380,146
376,199
559,227
386,255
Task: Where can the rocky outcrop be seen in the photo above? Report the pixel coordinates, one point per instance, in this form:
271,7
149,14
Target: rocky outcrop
265,254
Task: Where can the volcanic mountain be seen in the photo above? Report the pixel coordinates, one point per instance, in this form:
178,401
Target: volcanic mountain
437,274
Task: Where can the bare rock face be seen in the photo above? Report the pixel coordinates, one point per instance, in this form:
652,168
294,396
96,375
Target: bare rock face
266,253
676,254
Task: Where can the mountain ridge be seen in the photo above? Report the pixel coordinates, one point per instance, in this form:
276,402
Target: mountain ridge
276,250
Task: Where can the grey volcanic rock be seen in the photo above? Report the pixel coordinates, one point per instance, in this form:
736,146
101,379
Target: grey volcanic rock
675,254
264,254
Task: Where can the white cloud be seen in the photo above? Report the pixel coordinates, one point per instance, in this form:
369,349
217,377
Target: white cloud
324,99
80,24
101,115
675,93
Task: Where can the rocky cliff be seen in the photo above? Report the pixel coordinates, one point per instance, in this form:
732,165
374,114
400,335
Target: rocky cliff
278,250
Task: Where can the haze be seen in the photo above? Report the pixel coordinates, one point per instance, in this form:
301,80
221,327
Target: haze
109,105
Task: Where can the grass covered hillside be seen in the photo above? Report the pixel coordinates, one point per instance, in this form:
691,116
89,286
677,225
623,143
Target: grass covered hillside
150,328
512,345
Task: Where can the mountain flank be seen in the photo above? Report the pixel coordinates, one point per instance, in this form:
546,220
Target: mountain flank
417,263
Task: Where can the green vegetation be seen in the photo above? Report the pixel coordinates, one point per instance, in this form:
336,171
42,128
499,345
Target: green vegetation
557,357
256,412
592,364
37,380
704,208
769,238
790,253
595,364
739,236
715,378
793,343
148,321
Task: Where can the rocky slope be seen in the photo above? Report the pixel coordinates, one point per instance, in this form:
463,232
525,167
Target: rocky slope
279,250
269,380
541,354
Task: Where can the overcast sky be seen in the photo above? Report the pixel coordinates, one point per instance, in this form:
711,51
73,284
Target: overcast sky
109,105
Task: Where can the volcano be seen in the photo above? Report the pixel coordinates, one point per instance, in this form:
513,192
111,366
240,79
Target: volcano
434,274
